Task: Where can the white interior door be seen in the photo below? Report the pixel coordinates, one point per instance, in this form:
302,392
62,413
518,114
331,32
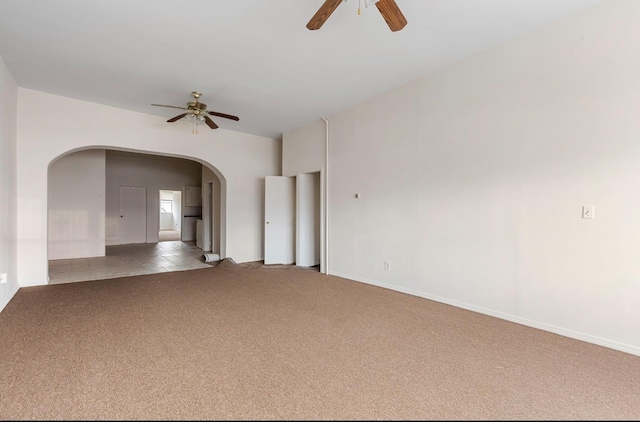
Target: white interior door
279,224
132,227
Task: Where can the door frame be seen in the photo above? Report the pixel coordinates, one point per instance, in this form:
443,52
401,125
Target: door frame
324,217
308,218
173,190
208,226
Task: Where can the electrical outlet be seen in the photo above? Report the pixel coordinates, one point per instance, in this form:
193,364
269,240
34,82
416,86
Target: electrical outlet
387,265
3,278
587,211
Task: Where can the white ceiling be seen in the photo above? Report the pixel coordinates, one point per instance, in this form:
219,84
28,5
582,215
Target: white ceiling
252,58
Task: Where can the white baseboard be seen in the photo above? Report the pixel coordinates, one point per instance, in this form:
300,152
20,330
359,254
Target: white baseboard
508,317
4,301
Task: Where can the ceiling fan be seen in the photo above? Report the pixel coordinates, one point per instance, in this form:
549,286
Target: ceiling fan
388,9
197,113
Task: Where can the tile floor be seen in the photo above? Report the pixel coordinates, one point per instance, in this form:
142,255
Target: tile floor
128,260
164,235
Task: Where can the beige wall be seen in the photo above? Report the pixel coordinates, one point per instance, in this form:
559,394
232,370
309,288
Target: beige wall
8,196
45,132
153,173
76,205
303,149
472,181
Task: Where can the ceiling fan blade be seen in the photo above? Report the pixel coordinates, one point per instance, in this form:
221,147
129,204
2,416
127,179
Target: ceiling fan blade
162,105
210,122
226,116
323,14
391,14
173,119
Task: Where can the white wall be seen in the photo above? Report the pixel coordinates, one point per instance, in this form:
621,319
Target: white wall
212,228
206,228
45,131
176,200
303,149
472,180
166,218
154,173
8,217
166,221
166,195
76,204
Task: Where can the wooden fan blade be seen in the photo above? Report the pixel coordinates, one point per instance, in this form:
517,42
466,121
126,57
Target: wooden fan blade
162,105
173,119
323,14
391,14
226,116
210,122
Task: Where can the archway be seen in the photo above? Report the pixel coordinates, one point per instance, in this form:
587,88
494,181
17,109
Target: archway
77,226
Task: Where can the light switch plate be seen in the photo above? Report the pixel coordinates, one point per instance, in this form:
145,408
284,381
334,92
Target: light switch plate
588,211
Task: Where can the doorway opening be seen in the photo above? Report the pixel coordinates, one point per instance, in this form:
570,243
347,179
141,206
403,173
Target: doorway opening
170,219
308,220
104,214
294,220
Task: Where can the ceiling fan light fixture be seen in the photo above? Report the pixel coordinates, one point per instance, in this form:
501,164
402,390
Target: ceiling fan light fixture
195,120
197,114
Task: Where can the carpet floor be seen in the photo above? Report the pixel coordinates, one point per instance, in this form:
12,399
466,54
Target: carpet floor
248,342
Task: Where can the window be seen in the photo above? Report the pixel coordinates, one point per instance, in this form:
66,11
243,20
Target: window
166,206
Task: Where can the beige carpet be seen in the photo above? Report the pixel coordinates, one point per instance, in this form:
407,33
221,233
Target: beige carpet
254,343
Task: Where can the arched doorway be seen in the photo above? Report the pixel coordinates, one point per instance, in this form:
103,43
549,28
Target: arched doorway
86,207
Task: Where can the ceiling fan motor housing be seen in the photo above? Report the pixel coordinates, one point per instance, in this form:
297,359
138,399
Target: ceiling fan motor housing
196,107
